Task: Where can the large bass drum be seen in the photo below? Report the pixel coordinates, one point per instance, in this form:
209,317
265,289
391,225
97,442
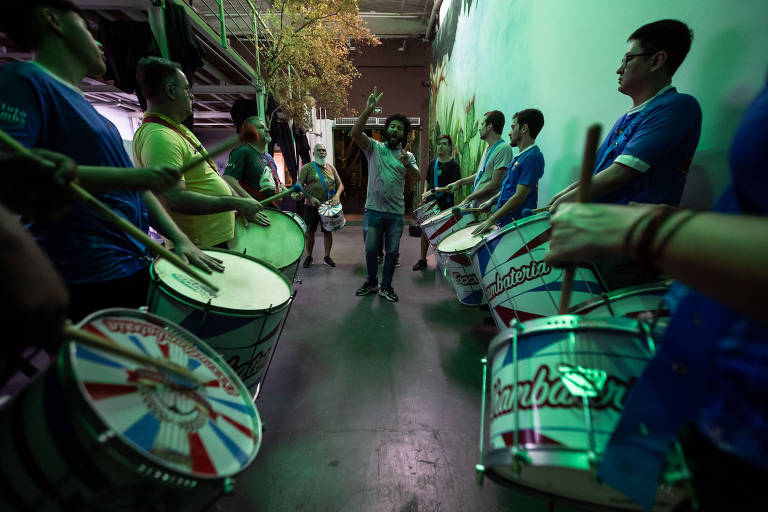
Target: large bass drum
556,392
99,432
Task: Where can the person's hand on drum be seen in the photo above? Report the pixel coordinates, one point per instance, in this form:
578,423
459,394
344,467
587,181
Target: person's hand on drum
483,227
193,255
261,219
335,201
249,209
589,232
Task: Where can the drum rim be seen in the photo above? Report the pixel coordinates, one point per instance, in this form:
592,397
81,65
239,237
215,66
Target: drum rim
65,361
556,323
662,285
441,212
468,250
510,227
274,210
162,287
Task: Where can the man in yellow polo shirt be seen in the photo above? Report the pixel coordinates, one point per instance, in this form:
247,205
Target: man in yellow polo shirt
203,204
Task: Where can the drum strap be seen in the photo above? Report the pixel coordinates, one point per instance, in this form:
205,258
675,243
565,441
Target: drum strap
480,174
198,147
437,194
328,193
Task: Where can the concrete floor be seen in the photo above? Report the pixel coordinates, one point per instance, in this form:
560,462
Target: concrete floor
371,405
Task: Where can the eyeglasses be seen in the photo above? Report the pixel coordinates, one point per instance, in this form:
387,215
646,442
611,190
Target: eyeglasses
628,57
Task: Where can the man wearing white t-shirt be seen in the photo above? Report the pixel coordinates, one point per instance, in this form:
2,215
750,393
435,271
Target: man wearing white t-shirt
388,165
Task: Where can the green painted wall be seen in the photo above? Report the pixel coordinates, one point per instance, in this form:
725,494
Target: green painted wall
560,56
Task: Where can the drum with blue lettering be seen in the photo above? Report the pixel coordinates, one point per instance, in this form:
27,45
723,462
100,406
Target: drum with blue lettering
556,393
455,252
426,210
518,283
99,432
242,322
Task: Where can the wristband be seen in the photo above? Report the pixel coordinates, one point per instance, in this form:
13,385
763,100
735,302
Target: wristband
644,247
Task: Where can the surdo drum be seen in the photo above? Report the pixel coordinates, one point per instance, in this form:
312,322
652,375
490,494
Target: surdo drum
518,283
440,226
426,211
640,302
556,392
331,217
455,251
97,431
296,217
242,322
280,244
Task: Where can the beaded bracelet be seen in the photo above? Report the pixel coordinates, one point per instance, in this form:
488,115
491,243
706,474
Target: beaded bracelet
644,246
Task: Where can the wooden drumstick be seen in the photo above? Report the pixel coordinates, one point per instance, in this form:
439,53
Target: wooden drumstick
296,188
539,210
95,341
224,146
110,216
583,196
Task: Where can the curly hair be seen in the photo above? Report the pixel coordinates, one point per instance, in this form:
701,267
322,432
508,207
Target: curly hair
402,119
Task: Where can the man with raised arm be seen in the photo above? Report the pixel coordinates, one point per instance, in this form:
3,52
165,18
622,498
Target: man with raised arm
493,164
388,165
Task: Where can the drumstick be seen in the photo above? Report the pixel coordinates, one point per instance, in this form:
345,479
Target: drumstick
224,146
582,194
456,209
296,188
539,210
95,341
110,216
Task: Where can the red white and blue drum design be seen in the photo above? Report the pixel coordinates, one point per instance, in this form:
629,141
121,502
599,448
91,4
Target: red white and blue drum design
518,283
438,227
426,211
98,431
557,390
242,322
455,252
643,302
331,217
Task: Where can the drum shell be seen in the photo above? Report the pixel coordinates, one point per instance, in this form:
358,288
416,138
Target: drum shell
244,338
58,454
331,217
517,282
274,245
426,211
550,422
440,226
459,270
643,301
295,216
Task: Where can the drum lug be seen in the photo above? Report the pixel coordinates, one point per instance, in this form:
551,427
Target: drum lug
105,436
480,469
228,485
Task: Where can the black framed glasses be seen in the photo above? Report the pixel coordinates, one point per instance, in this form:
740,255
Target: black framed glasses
629,56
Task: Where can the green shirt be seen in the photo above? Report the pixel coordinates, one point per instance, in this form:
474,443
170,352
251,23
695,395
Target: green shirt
253,168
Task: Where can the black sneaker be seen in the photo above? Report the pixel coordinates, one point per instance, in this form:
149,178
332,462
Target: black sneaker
328,261
420,265
368,287
308,262
388,293
380,260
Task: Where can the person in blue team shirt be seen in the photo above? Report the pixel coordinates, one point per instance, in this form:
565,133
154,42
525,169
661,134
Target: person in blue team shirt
42,106
708,381
646,156
520,188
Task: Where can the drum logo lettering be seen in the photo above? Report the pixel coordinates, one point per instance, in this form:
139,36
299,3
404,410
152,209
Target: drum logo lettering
153,331
192,284
517,276
550,392
465,280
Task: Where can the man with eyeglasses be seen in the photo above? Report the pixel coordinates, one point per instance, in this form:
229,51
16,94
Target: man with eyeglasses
646,156
202,204
320,183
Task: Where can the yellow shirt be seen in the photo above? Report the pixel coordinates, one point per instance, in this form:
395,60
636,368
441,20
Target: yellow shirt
155,145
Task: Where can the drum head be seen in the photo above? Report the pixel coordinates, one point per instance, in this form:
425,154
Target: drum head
439,217
462,240
280,244
327,210
208,430
245,285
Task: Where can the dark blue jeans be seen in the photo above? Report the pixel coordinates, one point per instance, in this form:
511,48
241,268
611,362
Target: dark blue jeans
390,227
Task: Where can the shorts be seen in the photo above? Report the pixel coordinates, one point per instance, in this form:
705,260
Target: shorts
312,218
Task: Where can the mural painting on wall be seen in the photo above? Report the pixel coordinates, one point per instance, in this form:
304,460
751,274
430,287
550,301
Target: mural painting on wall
459,120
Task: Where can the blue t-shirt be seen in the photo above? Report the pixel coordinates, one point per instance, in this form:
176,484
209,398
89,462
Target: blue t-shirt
712,367
658,140
526,168
41,111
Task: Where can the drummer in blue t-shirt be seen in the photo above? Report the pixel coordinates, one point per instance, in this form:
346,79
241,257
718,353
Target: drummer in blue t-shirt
520,188
646,156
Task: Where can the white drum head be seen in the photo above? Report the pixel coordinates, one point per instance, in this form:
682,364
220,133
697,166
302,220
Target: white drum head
245,284
462,239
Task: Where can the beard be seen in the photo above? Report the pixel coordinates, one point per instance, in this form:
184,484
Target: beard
394,140
320,161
